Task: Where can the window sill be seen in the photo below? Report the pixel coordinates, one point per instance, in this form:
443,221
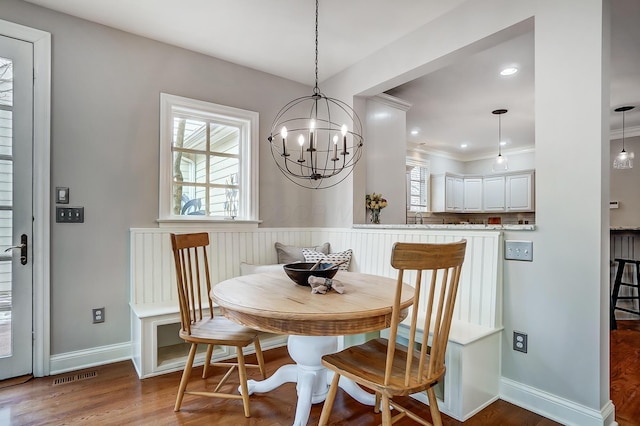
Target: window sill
200,222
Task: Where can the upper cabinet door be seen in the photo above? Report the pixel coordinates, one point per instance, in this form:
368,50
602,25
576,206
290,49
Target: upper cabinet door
494,194
454,194
519,192
472,193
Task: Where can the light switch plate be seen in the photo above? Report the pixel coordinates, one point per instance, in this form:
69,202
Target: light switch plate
62,195
69,214
518,250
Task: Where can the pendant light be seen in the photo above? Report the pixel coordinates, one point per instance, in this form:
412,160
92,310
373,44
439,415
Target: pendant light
624,160
316,140
500,164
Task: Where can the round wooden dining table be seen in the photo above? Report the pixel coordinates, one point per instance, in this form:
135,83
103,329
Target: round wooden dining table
273,303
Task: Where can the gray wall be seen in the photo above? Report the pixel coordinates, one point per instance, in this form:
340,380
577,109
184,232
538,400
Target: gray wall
625,185
106,88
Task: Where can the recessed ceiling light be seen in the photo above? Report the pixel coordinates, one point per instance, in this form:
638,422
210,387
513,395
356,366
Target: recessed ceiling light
503,143
509,71
463,145
414,132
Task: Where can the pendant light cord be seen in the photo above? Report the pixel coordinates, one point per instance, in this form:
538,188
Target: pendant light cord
623,112
499,135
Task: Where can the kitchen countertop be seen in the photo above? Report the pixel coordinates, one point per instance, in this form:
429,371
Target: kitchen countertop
505,227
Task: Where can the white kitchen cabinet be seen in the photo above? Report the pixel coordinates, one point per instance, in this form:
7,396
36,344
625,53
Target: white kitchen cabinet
446,193
519,190
454,193
472,194
494,194
506,192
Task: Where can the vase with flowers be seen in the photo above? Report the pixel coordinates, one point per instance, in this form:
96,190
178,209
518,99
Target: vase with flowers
375,203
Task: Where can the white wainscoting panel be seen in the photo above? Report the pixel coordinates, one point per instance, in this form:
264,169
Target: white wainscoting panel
479,299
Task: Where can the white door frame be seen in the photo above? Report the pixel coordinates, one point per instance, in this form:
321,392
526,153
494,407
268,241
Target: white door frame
41,188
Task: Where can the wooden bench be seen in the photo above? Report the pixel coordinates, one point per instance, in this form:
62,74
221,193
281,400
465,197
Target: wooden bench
473,355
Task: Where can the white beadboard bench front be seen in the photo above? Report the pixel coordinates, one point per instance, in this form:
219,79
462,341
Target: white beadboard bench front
473,354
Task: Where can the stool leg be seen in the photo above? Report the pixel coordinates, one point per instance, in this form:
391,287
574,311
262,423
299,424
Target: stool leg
637,264
616,284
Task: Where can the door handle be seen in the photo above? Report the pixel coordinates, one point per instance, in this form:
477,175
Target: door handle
23,246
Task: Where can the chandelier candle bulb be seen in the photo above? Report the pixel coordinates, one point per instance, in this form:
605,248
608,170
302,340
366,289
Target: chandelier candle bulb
301,142
344,139
284,142
335,148
312,126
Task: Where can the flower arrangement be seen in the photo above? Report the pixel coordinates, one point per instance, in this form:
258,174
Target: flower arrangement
375,203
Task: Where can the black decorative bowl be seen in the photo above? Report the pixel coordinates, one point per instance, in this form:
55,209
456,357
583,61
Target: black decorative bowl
300,272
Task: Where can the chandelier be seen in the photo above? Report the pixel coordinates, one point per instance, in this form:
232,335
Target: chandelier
500,164
624,160
311,141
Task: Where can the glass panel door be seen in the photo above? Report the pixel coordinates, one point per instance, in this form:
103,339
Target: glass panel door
16,210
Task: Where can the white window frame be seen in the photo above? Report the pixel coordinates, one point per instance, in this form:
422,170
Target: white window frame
424,164
247,121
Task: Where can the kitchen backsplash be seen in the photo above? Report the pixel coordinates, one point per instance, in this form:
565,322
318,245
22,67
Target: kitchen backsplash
479,218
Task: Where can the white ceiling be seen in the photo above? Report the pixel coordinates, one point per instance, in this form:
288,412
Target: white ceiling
450,106
275,36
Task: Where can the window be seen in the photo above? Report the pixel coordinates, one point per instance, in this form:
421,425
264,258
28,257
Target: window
417,186
208,161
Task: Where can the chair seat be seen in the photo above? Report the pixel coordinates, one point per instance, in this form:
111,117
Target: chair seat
219,331
365,364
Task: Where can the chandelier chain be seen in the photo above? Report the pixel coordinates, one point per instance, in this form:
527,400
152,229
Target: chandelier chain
316,90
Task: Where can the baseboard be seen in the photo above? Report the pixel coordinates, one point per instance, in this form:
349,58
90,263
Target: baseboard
87,358
555,408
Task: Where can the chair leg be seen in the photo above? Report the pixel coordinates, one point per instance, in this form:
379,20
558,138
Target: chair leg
207,362
242,372
328,402
386,411
376,408
185,376
256,344
433,407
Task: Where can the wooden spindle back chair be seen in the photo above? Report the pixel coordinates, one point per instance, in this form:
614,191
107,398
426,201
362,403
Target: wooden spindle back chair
199,325
391,369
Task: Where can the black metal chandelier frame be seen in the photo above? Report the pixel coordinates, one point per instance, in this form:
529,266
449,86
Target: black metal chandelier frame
323,148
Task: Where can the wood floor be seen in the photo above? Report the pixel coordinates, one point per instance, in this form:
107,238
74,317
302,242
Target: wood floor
625,372
113,395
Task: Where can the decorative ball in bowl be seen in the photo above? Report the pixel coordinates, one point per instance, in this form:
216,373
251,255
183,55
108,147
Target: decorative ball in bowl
300,272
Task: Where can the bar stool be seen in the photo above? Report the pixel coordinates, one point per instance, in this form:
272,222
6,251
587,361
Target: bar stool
618,282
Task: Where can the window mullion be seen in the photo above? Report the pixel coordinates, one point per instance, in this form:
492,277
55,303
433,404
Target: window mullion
208,169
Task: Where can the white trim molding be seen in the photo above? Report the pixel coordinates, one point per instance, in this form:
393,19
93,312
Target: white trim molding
554,407
41,41
92,357
629,132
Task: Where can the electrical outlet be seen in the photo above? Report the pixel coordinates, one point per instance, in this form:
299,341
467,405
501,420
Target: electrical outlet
98,315
519,341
